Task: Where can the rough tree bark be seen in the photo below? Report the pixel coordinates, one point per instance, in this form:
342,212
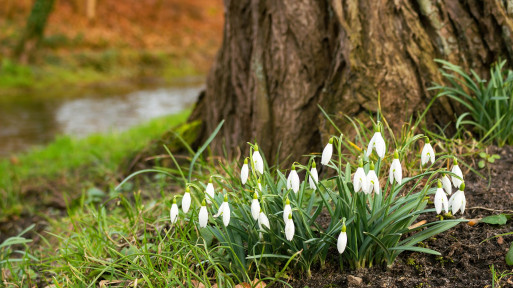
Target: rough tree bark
280,58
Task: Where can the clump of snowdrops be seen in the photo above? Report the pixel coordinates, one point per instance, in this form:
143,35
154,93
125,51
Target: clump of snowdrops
268,217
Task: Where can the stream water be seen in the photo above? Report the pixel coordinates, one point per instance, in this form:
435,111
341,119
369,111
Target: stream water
27,121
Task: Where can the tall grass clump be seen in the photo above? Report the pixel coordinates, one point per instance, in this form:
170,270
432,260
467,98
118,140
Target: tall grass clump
489,102
359,212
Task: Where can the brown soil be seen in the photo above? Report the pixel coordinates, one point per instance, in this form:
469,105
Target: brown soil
465,261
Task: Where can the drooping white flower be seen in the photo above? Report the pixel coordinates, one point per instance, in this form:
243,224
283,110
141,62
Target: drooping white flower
427,154
372,181
458,201
263,221
441,199
446,183
314,177
327,152
209,192
186,200
289,228
293,180
456,170
224,210
255,206
258,162
360,179
396,170
342,240
203,215
377,142
174,212
244,172
286,211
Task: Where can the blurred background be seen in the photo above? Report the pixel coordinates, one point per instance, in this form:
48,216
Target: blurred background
77,67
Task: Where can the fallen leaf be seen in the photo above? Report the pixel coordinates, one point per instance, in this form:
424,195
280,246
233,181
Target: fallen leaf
420,223
500,240
473,222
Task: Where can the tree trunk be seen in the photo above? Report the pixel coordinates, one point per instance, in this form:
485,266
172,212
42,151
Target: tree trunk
281,58
34,30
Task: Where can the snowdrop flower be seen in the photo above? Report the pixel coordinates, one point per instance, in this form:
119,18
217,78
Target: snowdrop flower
427,154
209,191
293,180
224,210
186,200
255,206
314,177
244,172
372,181
203,215
258,162
441,199
263,221
359,178
456,170
396,170
327,152
446,183
377,142
458,201
289,228
286,211
174,212
342,239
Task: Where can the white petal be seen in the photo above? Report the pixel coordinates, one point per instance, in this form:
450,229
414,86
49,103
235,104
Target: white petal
342,242
293,181
286,212
313,179
372,182
244,173
439,200
432,154
359,179
210,192
380,145
174,213
398,174
289,229
446,183
203,216
371,145
424,154
221,209
255,208
326,154
186,202
457,202
226,214
258,162
457,182
263,221
445,203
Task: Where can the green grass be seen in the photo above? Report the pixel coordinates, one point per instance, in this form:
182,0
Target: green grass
99,154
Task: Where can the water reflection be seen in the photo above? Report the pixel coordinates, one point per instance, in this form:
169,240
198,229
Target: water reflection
25,122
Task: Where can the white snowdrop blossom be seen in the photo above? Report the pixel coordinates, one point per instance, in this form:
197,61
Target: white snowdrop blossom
342,240
244,172
224,210
372,181
396,170
186,200
286,211
457,202
174,212
314,177
210,193
255,206
289,228
427,154
327,152
293,180
258,162
456,170
263,221
378,143
446,183
360,179
203,215
441,199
